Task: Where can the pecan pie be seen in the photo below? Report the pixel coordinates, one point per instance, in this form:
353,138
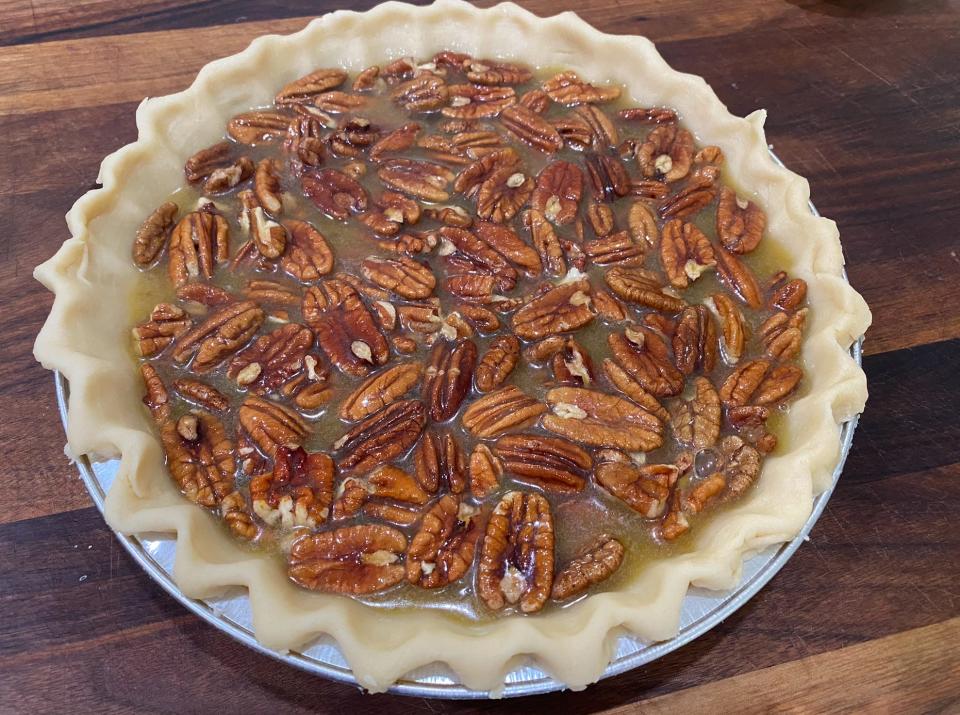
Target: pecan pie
448,331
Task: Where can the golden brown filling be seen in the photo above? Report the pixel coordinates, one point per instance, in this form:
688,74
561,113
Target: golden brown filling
451,327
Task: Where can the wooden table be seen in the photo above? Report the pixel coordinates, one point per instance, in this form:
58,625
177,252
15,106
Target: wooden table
863,101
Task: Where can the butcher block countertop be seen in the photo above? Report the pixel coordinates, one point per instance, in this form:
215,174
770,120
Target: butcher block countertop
863,100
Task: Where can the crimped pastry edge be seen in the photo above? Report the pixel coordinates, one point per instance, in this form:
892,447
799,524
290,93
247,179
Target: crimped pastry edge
86,338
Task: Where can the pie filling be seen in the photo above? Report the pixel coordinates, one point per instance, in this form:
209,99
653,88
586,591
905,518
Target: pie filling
463,334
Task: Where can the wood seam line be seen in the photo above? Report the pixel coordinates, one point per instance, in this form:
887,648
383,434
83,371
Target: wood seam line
914,671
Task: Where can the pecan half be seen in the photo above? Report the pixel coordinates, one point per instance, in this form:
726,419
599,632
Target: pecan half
443,548
258,127
448,376
646,358
567,88
271,425
389,482
561,309
642,287
608,306
508,244
222,333
202,394
482,319
601,420
740,223
353,560
757,382
346,331
304,143
667,153
272,359
308,255
497,363
485,472
404,276
266,186
696,422
530,128
738,277
334,193
571,364
623,382
558,191
500,196
227,177
470,101
782,334
197,244
380,390
601,219
469,180
489,72
740,465
657,115
607,176
546,242
501,410
733,330
685,253
439,463
643,223
166,323
548,462
269,237
617,248
382,436
309,86
516,555
420,179
694,340
696,194
152,234
204,162
200,457
536,100
421,94
645,489
597,563
298,492
337,102
789,296
356,135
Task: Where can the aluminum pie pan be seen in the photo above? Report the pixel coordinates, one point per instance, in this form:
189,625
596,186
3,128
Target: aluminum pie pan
701,610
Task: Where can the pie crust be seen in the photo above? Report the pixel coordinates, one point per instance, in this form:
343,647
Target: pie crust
86,338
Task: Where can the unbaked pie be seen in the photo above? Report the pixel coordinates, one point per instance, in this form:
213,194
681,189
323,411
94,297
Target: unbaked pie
514,343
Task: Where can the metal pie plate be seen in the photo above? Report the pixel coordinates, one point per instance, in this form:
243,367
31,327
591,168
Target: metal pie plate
702,609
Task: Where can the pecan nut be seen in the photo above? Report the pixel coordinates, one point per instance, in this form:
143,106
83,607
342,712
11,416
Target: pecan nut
271,425
334,193
602,420
685,253
646,358
167,322
258,127
667,153
152,234
695,340
696,194
546,241
420,179
618,248
272,359
200,457
439,462
567,88
789,296
380,390
608,177
488,72
738,277
782,334
509,245
623,382
696,422
530,128
558,192
740,223
306,88
308,255
757,382
298,492
733,330
421,94
201,394
551,463
598,563
501,196
404,276
497,363
470,101
442,550
485,472
561,309
501,410
353,560
479,255
197,244
382,436
643,224
448,377
642,287
516,555
645,489
220,335
346,331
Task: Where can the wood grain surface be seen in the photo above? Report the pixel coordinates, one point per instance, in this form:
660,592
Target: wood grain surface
863,100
